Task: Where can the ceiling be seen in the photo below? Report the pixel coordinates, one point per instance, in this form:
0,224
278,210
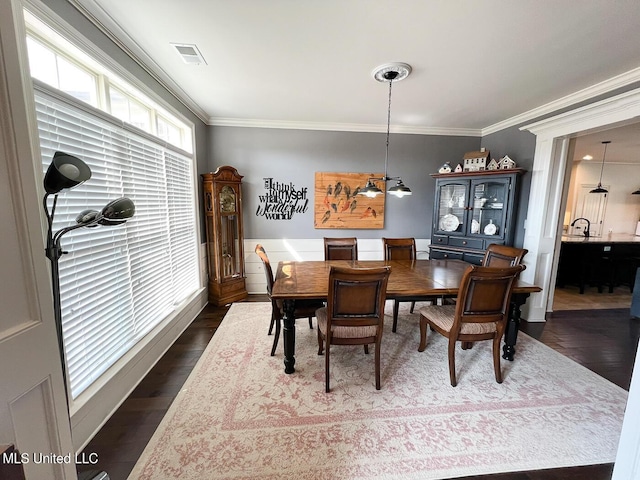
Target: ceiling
307,64
623,149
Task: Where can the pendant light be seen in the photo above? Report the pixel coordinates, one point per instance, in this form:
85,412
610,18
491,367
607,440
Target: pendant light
599,188
637,192
391,72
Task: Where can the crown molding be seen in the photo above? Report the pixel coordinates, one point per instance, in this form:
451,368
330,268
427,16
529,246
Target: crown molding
588,93
341,127
108,26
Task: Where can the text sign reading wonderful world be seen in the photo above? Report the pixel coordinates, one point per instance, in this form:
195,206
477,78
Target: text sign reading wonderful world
281,200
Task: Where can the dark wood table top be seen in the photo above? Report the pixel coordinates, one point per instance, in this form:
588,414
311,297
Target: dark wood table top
417,278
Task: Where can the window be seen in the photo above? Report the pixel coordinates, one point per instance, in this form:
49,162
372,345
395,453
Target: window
169,131
56,62
126,108
117,283
57,71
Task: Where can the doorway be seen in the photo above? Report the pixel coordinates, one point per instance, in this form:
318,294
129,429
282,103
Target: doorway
550,180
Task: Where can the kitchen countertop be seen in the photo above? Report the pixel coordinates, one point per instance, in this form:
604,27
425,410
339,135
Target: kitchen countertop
610,238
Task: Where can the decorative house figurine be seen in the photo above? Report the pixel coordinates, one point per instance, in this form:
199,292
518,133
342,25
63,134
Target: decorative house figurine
475,161
493,165
458,168
446,168
506,163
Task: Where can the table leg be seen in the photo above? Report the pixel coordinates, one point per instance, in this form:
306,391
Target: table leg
289,336
513,325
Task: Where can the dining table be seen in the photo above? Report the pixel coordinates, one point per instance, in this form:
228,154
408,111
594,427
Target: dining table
409,280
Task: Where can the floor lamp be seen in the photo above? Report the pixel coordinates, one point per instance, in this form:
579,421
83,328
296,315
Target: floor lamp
65,172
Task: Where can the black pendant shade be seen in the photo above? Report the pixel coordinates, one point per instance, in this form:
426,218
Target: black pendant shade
370,190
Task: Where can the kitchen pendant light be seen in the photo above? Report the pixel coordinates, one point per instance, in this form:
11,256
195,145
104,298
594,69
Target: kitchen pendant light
599,188
391,72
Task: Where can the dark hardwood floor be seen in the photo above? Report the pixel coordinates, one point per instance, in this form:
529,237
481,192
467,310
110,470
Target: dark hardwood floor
605,341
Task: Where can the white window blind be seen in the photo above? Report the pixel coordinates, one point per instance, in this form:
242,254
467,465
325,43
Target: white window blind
118,283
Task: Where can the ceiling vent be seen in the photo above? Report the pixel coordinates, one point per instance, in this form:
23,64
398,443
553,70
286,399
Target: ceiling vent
189,53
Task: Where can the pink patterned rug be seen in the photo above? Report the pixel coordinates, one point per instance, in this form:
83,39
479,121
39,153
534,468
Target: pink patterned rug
240,416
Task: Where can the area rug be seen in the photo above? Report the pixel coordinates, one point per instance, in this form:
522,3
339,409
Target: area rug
239,416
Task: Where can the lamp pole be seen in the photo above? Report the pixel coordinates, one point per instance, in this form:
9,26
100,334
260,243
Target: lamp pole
67,171
53,253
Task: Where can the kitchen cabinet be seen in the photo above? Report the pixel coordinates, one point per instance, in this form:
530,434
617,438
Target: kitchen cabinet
223,221
608,261
471,211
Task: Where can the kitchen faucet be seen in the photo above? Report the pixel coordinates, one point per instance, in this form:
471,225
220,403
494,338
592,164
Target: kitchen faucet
586,230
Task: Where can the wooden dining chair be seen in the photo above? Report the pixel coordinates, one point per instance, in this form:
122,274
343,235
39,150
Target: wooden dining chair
354,314
480,313
503,256
340,248
401,249
303,308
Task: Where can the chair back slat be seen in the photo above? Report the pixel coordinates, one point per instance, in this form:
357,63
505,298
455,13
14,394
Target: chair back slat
357,296
502,256
485,294
399,248
268,271
340,248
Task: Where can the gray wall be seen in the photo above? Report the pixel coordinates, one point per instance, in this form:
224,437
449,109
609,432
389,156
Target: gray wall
295,155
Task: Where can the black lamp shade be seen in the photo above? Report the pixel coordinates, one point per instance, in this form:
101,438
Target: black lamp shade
87,217
117,211
370,190
400,189
637,192
599,189
65,171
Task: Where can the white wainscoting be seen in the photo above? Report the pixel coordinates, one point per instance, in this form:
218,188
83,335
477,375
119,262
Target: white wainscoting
305,249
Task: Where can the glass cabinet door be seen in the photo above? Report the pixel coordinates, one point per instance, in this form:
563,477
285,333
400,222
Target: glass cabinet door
489,207
452,206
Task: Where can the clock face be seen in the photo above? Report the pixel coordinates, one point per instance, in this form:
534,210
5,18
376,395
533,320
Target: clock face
227,200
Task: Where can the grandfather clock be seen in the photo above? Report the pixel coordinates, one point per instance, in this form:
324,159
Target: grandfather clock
225,252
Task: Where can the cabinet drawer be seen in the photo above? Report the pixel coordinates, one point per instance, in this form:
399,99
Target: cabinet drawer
441,255
476,243
440,240
473,258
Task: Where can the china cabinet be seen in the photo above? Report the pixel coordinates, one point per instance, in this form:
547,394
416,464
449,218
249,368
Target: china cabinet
471,211
225,251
